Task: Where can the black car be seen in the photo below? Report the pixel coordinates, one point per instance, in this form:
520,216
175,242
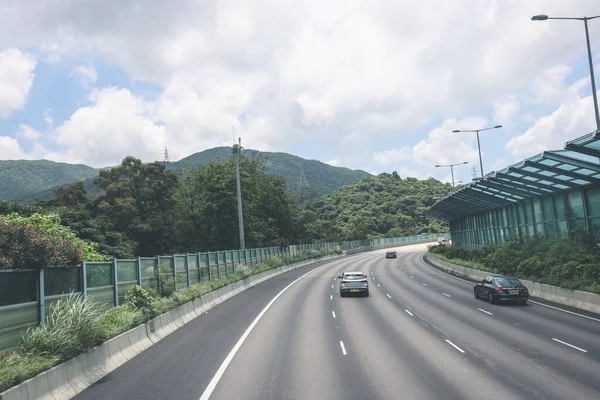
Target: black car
501,289
391,254
353,283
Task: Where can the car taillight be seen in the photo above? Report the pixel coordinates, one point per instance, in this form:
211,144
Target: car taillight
343,281
499,290
525,289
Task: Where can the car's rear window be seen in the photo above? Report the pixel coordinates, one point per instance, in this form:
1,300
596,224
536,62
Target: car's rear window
508,282
353,277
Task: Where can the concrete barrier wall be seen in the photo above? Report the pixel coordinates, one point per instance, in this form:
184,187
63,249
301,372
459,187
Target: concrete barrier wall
573,298
64,381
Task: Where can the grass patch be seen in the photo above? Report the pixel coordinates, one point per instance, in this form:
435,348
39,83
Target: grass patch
75,325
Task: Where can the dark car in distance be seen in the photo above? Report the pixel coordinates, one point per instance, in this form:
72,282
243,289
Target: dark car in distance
501,289
353,282
391,254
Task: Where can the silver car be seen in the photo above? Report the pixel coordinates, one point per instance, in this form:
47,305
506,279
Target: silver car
353,282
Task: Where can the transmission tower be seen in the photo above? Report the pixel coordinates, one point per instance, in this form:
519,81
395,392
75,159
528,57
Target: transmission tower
166,155
302,182
474,172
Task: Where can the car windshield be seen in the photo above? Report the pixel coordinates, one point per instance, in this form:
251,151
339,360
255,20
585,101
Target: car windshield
502,282
353,277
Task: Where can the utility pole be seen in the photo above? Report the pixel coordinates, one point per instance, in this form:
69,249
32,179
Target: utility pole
166,155
236,149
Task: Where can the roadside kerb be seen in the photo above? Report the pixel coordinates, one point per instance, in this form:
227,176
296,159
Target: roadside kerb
66,380
569,297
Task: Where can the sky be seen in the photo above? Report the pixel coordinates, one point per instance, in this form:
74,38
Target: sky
373,85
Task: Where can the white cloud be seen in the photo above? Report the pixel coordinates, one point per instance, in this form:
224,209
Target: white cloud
85,74
571,120
16,80
357,72
10,149
505,110
28,133
335,162
116,125
393,157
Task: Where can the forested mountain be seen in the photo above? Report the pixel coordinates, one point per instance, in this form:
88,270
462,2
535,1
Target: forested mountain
28,182
381,206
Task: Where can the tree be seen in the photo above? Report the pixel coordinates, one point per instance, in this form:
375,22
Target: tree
138,201
74,196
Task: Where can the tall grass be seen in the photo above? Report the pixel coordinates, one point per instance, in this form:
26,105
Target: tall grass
69,331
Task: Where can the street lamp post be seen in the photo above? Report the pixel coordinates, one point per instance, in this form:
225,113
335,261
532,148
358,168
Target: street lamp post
478,145
451,168
587,38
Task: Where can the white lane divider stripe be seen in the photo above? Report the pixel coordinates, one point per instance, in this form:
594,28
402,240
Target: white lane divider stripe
570,345
332,286
455,346
409,313
219,374
343,347
378,285
424,284
388,295
330,297
446,294
333,313
412,277
487,312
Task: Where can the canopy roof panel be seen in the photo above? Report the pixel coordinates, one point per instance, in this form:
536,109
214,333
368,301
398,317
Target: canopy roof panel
544,174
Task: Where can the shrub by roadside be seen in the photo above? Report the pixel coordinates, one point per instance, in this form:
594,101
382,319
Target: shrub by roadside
572,263
75,325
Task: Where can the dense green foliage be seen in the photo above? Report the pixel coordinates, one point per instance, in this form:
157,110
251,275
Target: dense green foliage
378,207
149,209
569,262
40,241
19,178
305,179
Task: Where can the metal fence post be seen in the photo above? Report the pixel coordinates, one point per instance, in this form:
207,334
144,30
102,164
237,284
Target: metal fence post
84,279
139,271
218,266
42,302
116,281
187,269
199,267
175,271
209,266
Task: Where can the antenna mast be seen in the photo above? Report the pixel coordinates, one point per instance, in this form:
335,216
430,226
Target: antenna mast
166,155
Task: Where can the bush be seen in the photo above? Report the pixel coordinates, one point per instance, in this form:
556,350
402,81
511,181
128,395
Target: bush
15,369
143,300
118,320
69,331
165,279
39,241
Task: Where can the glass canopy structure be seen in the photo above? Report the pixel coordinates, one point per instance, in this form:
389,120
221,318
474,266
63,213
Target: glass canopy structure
552,192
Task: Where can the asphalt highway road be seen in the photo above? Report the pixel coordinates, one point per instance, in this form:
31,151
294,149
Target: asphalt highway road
420,335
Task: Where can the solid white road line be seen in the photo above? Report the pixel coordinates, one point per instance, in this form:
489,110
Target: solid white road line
333,313
570,345
388,295
412,277
332,286
455,346
446,294
424,284
409,313
531,301
219,374
378,285
487,312
343,348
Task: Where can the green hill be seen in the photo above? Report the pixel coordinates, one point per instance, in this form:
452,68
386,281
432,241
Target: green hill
307,179
381,206
19,178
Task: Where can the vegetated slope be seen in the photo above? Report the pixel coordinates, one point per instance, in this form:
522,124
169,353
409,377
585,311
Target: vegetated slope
19,178
377,207
306,179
